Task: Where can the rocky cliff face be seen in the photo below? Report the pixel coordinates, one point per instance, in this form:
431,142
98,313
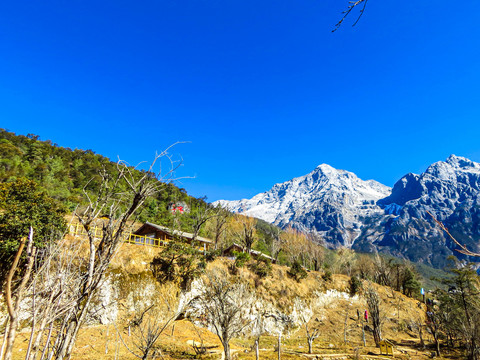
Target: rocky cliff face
369,216
450,191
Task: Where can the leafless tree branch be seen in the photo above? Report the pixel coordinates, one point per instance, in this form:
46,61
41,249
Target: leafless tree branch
352,5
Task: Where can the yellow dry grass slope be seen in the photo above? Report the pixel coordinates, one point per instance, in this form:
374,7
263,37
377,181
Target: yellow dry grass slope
336,316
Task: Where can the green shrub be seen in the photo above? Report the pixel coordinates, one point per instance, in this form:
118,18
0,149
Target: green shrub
212,255
327,276
355,285
241,258
262,267
297,271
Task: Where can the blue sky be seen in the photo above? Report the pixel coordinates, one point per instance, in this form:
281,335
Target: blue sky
262,90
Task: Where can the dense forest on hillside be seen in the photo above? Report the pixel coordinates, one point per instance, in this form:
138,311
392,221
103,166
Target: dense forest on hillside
63,173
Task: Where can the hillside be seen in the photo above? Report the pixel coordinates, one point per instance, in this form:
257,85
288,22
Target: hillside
64,173
329,308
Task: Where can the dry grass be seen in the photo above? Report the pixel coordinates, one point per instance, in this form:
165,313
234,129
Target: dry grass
102,342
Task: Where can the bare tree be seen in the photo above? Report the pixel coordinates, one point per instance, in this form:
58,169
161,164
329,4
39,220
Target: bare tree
200,215
244,230
382,271
364,267
258,329
297,246
52,293
418,324
373,303
13,300
317,251
149,322
433,327
277,242
119,207
345,261
225,306
306,313
313,332
199,350
220,220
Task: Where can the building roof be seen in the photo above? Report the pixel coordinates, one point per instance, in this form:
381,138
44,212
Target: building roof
253,252
173,232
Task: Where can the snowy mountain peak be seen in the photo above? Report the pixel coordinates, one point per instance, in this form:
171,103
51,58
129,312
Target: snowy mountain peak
463,163
325,168
340,193
453,168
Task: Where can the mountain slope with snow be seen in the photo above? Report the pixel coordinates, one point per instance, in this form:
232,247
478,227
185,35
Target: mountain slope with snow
328,201
368,216
450,190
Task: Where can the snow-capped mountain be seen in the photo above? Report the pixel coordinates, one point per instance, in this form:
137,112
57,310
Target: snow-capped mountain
450,190
328,201
371,217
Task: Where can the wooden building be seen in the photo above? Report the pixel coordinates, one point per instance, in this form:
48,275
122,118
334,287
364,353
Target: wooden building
156,235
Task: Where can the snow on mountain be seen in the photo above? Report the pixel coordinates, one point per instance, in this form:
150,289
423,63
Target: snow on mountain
450,190
326,200
371,217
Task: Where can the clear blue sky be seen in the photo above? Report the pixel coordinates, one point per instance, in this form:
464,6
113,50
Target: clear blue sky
263,90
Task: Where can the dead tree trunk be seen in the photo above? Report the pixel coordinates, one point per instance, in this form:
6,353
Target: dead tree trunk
363,334
312,334
373,302
279,346
226,350
14,305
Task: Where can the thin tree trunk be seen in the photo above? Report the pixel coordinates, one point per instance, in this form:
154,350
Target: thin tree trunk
12,314
34,323
4,338
47,342
310,345
13,308
437,344
41,328
257,355
226,350
363,334
279,346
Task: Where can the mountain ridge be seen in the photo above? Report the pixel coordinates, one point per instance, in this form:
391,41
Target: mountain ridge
288,203
371,217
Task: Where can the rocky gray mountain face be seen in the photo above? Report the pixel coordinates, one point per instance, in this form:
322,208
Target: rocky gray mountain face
370,217
447,189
